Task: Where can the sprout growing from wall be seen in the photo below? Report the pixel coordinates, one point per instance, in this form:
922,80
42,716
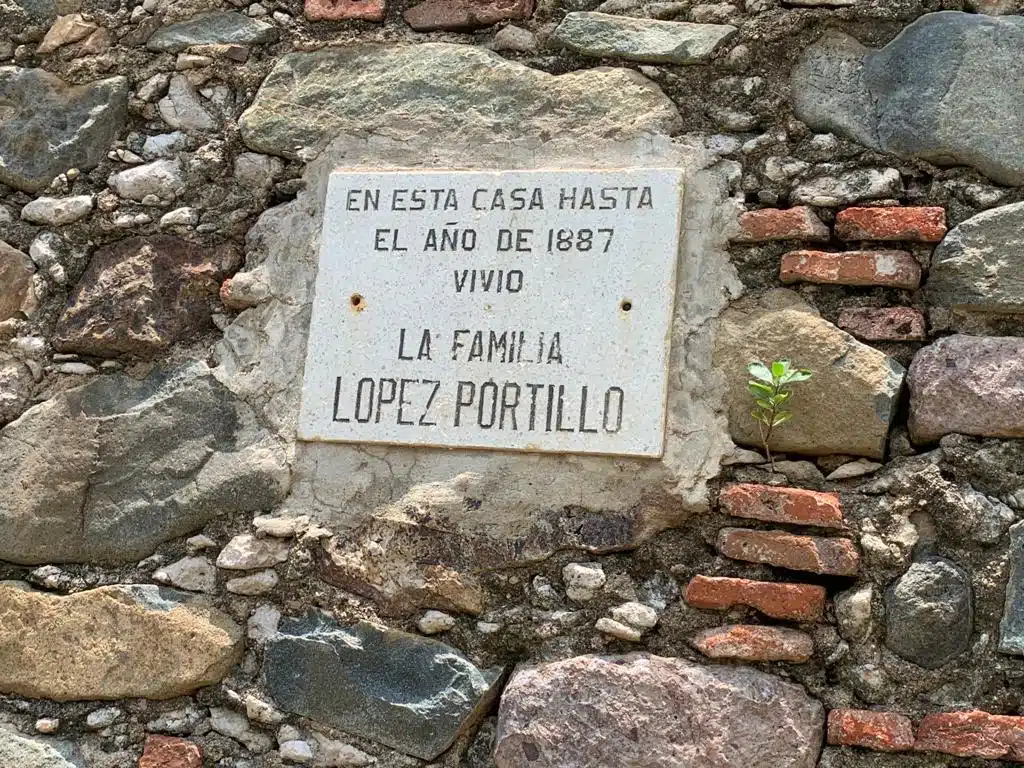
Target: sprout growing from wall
770,388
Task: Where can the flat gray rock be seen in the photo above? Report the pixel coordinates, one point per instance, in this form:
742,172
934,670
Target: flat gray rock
1011,628
929,614
604,35
948,90
109,470
409,692
402,92
30,752
212,29
973,385
50,126
656,712
980,263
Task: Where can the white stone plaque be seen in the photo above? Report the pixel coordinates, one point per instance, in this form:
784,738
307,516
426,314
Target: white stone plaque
513,310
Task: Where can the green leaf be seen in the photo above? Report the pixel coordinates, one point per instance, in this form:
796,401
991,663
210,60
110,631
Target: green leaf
764,405
781,418
796,376
779,369
761,417
760,371
758,389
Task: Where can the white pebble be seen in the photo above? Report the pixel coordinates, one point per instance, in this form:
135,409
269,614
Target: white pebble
434,622
616,629
635,614
583,580
47,724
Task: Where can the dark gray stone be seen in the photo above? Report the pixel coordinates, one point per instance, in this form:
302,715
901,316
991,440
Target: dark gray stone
50,126
109,470
948,90
211,29
929,613
980,263
1011,628
408,692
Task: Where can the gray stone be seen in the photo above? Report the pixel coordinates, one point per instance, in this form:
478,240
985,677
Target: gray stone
409,692
400,91
657,42
19,751
110,469
50,126
57,211
255,584
245,552
850,187
848,404
929,613
1011,628
161,178
195,574
979,265
948,90
973,385
655,712
211,29
17,295
182,108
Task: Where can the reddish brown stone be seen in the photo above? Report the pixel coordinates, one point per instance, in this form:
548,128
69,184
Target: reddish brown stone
782,505
170,752
465,14
884,324
791,602
921,225
749,642
893,269
972,734
799,223
335,10
140,295
17,296
837,557
880,731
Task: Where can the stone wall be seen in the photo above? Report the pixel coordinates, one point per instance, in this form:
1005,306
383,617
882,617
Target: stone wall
184,584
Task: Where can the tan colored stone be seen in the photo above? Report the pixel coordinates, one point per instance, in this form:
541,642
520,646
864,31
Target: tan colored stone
112,643
16,294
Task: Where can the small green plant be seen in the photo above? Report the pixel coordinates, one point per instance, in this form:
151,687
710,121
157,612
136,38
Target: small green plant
770,388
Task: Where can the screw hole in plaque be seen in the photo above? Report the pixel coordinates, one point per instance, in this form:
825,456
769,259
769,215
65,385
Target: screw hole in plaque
358,302
625,305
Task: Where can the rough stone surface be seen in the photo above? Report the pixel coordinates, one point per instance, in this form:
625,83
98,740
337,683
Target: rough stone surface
837,557
142,294
161,178
796,506
211,29
362,91
111,643
19,751
57,211
845,408
50,126
66,30
195,574
619,37
409,692
929,613
893,269
110,469
947,90
854,186
1011,628
796,223
749,642
182,108
465,14
245,552
972,734
620,710
170,752
791,602
880,731
922,225
336,10
17,296
978,264
967,384
884,323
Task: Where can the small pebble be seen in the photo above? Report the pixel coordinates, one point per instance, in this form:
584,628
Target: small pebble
635,614
583,580
101,718
47,724
616,629
434,622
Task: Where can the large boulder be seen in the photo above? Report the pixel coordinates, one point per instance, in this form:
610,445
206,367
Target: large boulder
948,90
112,643
109,470
643,710
50,126
848,404
980,263
401,91
409,692
973,385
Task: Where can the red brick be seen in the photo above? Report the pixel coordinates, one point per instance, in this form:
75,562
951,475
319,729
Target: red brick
782,505
170,752
884,324
972,734
748,642
880,731
837,557
799,223
465,14
921,225
790,602
894,269
335,10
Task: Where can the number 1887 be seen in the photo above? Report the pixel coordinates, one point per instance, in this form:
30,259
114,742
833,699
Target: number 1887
580,239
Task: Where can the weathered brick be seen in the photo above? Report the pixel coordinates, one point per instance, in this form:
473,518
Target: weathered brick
893,269
880,731
465,14
798,223
782,505
170,752
884,324
749,642
790,602
922,225
972,734
837,557
336,10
